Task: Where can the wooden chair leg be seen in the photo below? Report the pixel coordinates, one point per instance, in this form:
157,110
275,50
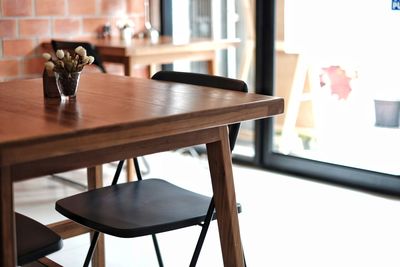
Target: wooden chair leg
48,263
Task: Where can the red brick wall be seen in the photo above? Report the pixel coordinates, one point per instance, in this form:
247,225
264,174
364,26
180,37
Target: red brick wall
24,24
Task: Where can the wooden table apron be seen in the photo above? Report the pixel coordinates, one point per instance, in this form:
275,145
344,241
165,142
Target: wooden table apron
88,135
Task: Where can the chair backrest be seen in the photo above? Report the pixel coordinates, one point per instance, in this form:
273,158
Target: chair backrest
209,81
90,49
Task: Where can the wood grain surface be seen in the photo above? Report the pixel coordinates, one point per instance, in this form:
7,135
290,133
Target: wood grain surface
117,117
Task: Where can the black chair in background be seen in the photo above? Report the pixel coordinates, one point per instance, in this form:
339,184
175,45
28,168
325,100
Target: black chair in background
90,49
35,241
149,206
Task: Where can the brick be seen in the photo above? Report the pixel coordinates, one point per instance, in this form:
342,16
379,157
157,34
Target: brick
21,47
139,23
113,7
67,26
39,49
79,7
16,7
8,27
9,68
50,7
93,25
135,6
34,27
33,65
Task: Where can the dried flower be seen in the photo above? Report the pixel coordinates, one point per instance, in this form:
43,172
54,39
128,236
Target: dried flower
60,54
80,51
85,60
47,56
91,60
49,66
67,62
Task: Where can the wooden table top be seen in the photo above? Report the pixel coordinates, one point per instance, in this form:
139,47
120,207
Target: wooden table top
108,103
115,117
143,47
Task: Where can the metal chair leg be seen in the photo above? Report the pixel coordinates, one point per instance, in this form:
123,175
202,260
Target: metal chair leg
158,252
200,241
92,247
203,233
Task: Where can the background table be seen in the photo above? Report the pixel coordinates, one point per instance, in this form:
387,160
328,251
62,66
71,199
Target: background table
113,118
165,51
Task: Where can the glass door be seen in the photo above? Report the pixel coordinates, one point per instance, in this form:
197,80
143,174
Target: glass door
336,66
229,19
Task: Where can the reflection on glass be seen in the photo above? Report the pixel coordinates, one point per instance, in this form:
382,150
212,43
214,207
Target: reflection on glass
334,60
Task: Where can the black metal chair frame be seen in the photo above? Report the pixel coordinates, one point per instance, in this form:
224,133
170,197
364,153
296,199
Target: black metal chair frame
195,79
201,80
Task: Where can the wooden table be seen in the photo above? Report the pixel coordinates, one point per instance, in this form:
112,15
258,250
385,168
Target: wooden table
165,51
113,118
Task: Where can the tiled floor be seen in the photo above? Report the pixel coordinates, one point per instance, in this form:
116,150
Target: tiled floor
286,221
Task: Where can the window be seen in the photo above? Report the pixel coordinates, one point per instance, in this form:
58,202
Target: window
220,19
333,64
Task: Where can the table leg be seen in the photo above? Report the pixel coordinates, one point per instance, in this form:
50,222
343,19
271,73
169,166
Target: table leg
128,66
212,66
8,256
130,170
95,180
220,163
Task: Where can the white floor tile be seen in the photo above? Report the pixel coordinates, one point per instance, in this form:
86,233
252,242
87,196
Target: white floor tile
285,222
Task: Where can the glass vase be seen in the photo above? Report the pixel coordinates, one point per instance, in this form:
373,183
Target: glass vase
67,84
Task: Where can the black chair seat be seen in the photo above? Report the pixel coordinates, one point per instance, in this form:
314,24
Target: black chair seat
107,209
34,240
